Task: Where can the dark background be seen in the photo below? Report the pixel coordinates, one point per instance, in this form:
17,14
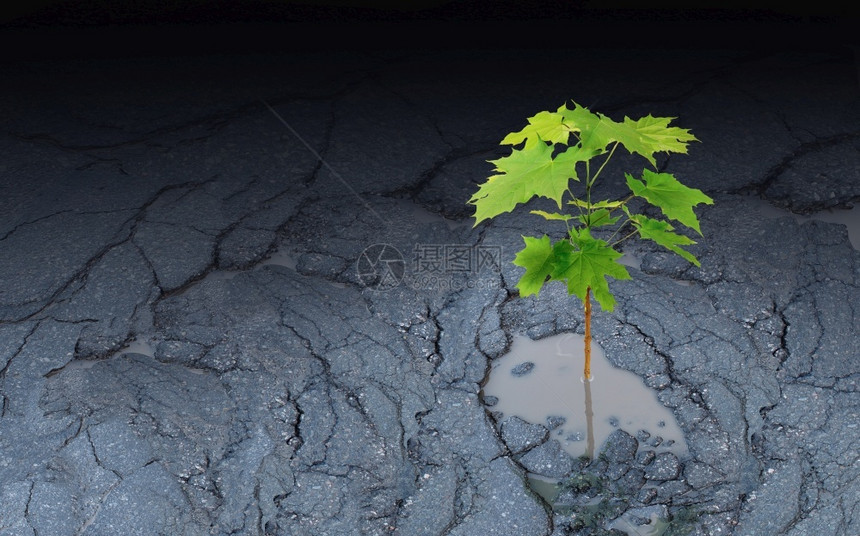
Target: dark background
103,28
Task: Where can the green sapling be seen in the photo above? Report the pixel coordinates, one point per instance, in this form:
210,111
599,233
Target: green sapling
567,145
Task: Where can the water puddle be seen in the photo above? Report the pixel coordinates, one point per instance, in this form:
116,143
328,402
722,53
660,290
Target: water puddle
850,218
287,259
656,522
630,259
279,258
541,382
140,345
656,526
219,275
546,487
137,346
634,260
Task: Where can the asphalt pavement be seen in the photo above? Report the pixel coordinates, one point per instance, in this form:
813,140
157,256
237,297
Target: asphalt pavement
219,314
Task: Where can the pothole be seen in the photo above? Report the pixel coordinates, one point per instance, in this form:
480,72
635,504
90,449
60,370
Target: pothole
541,383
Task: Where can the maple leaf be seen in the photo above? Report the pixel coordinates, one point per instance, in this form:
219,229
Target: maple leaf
675,200
596,204
537,258
659,135
587,266
526,173
497,195
544,126
536,166
645,136
580,119
661,233
598,218
552,216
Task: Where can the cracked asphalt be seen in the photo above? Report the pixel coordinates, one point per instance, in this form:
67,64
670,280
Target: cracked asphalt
212,210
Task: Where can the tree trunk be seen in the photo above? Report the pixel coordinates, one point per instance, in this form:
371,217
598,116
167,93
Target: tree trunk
587,371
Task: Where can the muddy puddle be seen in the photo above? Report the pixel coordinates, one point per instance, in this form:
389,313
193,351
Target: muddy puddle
541,382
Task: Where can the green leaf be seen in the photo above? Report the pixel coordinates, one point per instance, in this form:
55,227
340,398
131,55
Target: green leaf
546,126
660,232
587,266
593,135
526,173
659,135
644,136
497,195
598,218
537,258
578,120
552,216
596,204
673,198
535,166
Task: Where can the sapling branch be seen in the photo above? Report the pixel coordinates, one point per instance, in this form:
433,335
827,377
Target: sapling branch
603,165
576,202
631,233
543,167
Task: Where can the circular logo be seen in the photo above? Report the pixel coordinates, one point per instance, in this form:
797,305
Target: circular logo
380,267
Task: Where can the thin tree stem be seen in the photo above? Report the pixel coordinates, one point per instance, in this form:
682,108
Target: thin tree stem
587,370
625,222
611,152
633,232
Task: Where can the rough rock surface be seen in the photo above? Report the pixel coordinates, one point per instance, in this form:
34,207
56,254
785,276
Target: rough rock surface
212,212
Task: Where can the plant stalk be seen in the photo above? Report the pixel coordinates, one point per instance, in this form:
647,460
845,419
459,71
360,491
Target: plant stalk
587,370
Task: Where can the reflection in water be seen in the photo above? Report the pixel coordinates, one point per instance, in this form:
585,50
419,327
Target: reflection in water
589,419
551,393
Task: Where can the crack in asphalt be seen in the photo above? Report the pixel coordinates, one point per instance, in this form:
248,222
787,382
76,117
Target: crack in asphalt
212,122
17,352
80,275
27,515
803,149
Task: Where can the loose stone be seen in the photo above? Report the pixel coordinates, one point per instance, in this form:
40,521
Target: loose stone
522,369
664,467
